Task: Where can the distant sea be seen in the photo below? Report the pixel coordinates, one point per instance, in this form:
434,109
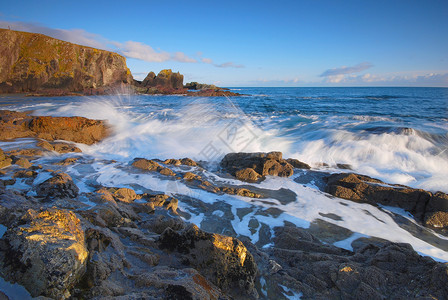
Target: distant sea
398,135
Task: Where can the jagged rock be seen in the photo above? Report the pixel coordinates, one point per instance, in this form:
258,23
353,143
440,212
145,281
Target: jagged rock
22,162
4,160
422,204
151,165
35,62
376,269
165,79
45,253
68,161
213,93
297,163
60,185
223,260
262,164
247,174
76,129
58,147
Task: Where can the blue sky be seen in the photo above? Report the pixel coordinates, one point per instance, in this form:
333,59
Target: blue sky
257,43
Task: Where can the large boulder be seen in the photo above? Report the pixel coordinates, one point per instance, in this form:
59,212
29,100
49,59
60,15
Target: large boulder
251,166
76,129
35,62
45,252
223,260
60,185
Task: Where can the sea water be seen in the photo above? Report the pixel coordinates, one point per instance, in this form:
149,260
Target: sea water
398,135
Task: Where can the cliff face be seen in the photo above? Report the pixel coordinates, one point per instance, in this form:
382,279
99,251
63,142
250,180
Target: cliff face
32,62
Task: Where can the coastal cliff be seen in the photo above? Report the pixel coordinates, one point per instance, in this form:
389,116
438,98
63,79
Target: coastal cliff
31,62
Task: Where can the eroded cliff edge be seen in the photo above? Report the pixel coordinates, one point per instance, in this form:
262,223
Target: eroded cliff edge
31,62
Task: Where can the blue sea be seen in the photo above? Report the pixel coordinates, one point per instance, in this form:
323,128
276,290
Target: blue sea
398,135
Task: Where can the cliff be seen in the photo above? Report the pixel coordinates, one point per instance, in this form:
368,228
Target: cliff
32,62
166,82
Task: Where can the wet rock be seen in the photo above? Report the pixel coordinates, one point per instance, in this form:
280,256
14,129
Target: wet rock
58,147
4,160
25,174
22,162
240,192
45,252
75,129
30,152
68,161
60,185
223,260
247,174
377,269
262,164
298,164
422,204
151,165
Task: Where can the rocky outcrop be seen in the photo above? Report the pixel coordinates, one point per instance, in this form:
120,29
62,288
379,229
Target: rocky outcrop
429,208
45,252
60,185
76,129
166,82
253,166
299,264
33,62
224,260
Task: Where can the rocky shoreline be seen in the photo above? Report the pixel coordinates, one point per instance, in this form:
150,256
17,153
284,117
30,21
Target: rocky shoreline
118,242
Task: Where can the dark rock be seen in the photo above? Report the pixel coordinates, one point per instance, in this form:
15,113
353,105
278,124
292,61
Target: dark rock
425,206
23,162
35,62
60,185
4,160
223,260
45,253
76,129
247,174
298,164
261,163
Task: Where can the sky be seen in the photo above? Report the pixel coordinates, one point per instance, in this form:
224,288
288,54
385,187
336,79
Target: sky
257,43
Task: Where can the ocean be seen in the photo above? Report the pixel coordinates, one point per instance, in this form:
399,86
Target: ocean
398,135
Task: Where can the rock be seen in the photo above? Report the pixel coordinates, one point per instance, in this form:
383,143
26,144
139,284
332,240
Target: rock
223,260
35,62
166,82
125,195
213,93
262,164
58,147
298,164
188,162
425,206
151,165
247,174
68,161
45,253
75,129
377,269
4,160
60,185
23,162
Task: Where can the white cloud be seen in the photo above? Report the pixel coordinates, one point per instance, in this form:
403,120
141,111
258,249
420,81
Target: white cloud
130,49
207,60
143,52
228,65
346,70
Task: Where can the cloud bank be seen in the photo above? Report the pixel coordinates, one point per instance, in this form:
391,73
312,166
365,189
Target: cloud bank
130,49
